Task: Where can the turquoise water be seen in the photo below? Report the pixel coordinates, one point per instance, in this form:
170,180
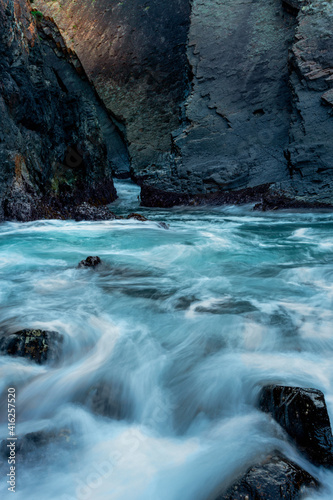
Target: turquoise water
181,326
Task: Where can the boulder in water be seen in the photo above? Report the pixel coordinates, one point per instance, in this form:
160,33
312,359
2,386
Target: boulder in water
140,217
90,262
303,415
38,345
90,212
276,479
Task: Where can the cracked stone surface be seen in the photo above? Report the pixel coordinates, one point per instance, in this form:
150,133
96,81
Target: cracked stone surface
53,153
213,97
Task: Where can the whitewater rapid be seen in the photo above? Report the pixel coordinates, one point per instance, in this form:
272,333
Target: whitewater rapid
183,326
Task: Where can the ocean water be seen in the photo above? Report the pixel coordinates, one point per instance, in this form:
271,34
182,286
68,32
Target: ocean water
166,346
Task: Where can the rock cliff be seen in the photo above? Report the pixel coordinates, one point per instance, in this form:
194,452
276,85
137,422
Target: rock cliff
219,101
53,153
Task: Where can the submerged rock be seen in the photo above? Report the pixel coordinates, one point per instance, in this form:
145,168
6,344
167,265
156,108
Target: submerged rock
276,479
89,212
38,345
164,225
53,152
303,415
293,6
89,262
140,217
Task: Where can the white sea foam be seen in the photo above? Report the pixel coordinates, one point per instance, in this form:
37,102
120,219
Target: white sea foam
181,328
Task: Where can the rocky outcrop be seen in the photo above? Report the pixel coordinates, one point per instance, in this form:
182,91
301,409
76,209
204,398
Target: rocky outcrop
276,479
53,153
38,345
220,101
89,262
303,415
135,216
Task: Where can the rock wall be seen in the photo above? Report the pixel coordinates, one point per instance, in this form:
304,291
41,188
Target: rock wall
223,100
53,154
135,55
238,109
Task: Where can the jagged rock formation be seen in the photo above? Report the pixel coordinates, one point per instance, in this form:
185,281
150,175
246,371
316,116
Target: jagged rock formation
226,100
53,154
276,479
89,262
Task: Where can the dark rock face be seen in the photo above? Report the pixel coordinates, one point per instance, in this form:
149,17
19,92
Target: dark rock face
38,345
293,6
238,110
276,479
89,212
139,217
303,415
163,225
109,400
216,97
36,444
53,152
90,262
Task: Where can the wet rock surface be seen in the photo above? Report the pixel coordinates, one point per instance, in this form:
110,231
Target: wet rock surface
276,479
38,345
89,262
109,399
89,212
43,445
135,54
53,152
303,415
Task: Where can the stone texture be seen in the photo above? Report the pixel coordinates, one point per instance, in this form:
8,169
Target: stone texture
303,415
276,479
110,399
139,217
89,212
214,98
89,262
53,153
238,108
38,345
